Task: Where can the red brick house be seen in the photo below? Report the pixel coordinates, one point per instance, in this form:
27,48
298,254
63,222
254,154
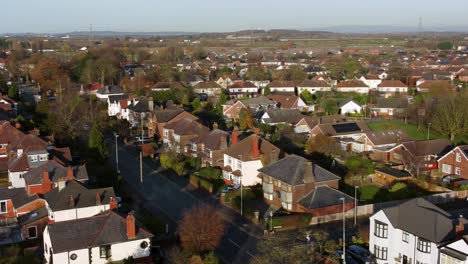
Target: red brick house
161,117
298,185
210,147
455,162
177,136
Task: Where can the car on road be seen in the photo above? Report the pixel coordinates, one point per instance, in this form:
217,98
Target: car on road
143,139
230,188
361,254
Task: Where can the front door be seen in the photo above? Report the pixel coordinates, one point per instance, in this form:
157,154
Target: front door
405,259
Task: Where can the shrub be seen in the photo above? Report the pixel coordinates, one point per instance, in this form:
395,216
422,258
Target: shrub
179,168
398,187
210,173
194,180
166,161
206,185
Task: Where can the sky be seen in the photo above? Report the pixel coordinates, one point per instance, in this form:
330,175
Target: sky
57,16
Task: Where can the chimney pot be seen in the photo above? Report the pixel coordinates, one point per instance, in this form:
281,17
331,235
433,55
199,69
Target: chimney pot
131,234
72,201
112,203
255,148
70,173
215,125
234,137
98,198
46,184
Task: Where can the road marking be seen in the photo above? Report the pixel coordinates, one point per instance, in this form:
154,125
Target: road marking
237,245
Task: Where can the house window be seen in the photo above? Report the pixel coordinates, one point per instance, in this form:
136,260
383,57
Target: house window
446,259
229,160
458,157
32,232
380,252
3,207
446,168
424,246
405,237
457,171
380,230
43,158
166,132
211,154
45,248
239,165
105,251
185,148
33,158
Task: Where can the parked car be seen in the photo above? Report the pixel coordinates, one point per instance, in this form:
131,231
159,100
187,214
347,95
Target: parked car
227,189
144,139
362,254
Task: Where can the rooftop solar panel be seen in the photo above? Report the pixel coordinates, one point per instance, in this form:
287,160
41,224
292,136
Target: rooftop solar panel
346,128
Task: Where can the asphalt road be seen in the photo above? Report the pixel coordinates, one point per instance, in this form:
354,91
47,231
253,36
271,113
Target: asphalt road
168,195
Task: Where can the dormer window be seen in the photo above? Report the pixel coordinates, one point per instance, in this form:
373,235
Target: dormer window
33,158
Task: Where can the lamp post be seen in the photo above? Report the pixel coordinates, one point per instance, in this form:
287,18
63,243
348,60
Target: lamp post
344,232
242,202
355,204
271,220
116,152
428,129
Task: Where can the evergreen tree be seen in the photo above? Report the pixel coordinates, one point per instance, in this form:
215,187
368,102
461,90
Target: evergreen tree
96,141
12,92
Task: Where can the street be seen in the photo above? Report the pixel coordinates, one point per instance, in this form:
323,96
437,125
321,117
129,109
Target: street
167,195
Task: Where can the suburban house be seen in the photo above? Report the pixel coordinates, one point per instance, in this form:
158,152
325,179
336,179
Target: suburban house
138,111
286,101
413,232
178,135
414,156
96,239
455,252
209,88
455,162
71,200
8,104
387,176
16,206
163,116
165,86
444,86
242,89
355,86
8,135
243,159
282,87
349,106
307,123
389,107
298,185
341,130
392,87
371,80
258,105
115,105
104,92
210,147
313,86
374,141
276,116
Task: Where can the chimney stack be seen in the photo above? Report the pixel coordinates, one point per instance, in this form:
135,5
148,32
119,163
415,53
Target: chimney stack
255,149
61,183
460,227
112,203
131,234
72,201
70,174
234,137
98,198
215,125
46,184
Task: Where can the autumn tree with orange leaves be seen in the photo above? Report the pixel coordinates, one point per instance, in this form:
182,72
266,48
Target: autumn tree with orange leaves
201,229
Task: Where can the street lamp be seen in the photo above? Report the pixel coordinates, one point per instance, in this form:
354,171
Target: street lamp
355,204
344,232
428,129
271,220
116,152
242,202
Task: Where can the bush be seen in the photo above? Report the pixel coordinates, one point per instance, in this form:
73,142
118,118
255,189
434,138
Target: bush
398,187
194,180
206,185
210,173
179,168
166,161
369,192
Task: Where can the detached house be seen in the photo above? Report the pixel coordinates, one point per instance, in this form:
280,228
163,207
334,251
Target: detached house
243,159
209,88
281,116
349,106
257,105
371,80
290,102
210,147
282,86
413,232
313,86
178,135
138,111
298,185
242,89
98,239
355,86
163,116
392,87
165,86
106,91
115,105
389,107
455,162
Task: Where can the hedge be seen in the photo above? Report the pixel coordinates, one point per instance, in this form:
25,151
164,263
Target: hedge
206,185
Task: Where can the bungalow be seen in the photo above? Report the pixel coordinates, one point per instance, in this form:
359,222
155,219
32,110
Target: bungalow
374,140
165,86
243,159
341,130
281,116
71,200
389,107
455,162
387,176
258,105
103,93
392,87
371,80
208,88
313,86
349,86
349,106
282,86
298,185
442,87
290,102
96,239
306,123
242,89
177,135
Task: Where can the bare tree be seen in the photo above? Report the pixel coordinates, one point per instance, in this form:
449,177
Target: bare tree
201,229
450,116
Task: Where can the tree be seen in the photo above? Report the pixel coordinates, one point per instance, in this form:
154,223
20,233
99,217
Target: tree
201,229
12,91
446,45
49,73
96,141
449,116
196,105
306,96
257,73
323,144
245,120
266,91
296,73
106,70
330,106
199,53
323,244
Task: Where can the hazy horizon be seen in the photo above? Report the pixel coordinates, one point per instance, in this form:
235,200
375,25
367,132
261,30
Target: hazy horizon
54,16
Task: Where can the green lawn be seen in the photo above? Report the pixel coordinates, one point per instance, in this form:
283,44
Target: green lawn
410,128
